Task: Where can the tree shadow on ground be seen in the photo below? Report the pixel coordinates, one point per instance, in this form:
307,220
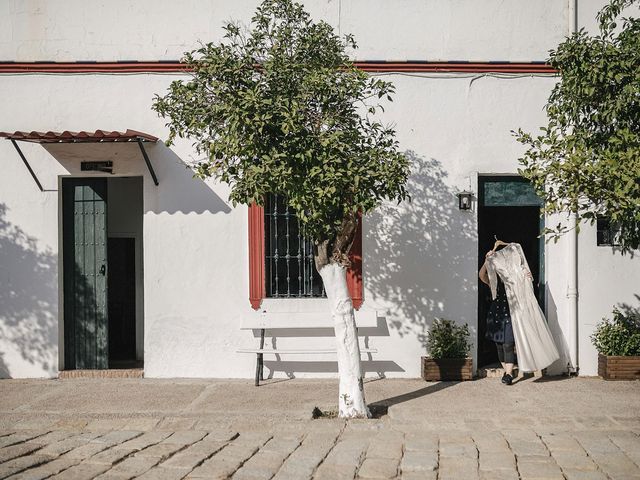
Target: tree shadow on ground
28,299
552,378
425,254
381,407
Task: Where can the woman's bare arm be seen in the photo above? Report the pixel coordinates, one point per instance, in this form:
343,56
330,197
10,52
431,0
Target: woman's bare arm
482,274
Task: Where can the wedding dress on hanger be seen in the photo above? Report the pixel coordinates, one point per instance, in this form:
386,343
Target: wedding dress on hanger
534,344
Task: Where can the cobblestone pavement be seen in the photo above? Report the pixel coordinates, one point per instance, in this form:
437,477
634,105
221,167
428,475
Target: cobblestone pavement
154,429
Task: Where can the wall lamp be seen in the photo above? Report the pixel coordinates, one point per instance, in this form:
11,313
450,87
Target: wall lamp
464,200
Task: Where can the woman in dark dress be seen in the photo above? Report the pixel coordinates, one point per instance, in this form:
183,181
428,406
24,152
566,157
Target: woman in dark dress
499,328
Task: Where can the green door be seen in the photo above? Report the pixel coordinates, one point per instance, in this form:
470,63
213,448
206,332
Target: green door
84,217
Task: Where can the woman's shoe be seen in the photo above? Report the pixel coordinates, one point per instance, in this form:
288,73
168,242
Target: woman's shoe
507,379
504,377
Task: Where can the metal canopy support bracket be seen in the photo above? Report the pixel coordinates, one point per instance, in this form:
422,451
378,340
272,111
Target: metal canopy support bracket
99,136
27,165
147,161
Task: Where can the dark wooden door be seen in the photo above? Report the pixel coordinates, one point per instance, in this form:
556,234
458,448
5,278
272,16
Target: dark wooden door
84,207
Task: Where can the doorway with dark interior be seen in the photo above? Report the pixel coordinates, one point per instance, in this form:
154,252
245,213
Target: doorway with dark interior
102,272
509,209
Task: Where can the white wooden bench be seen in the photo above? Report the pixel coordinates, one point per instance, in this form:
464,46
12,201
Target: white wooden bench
272,322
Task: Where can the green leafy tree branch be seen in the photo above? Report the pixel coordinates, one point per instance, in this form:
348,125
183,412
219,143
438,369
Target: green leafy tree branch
587,159
281,109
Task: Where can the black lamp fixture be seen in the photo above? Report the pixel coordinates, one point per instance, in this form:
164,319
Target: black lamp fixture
464,200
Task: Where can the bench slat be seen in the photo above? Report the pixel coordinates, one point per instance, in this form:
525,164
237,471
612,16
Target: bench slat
294,320
295,352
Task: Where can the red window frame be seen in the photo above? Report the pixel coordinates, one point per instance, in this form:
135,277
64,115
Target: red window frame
257,286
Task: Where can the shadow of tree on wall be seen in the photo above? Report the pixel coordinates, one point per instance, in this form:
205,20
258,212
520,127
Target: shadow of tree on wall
629,310
425,253
179,189
4,369
28,298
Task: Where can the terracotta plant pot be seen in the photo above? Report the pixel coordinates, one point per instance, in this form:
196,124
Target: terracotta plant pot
436,369
619,368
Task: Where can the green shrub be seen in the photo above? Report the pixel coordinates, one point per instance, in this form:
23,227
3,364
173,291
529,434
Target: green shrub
448,340
619,336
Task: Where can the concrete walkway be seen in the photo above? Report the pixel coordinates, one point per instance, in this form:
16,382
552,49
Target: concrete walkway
539,428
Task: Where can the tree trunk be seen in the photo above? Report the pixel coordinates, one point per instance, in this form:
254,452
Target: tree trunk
351,400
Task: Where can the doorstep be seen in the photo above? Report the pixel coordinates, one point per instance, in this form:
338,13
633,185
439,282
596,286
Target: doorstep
494,370
106,373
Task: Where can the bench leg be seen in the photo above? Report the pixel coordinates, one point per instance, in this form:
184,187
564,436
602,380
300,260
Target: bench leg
259,361
258,369
261,356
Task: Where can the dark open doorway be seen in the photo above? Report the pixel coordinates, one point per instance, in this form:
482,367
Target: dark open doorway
509,209
122,301
102,272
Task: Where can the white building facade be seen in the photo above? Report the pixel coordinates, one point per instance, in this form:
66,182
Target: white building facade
184,250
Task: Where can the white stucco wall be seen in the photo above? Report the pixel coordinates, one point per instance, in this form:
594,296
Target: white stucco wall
606,279
420,259
195,255
28,275
164,29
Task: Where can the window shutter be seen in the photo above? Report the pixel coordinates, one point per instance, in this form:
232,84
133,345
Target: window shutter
257,288
354,274
256,256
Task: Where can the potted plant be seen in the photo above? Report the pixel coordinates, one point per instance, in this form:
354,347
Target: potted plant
618,343
448,346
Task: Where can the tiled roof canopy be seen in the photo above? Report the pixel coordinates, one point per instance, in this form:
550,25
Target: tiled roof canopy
99,136
82,136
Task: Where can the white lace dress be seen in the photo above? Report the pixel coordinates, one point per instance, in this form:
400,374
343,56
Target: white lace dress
534,344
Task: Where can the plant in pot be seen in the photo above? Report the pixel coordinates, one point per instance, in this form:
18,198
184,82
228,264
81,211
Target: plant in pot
617,341
448,346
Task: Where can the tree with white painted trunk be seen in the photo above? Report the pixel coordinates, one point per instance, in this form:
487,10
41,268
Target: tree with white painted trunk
279,108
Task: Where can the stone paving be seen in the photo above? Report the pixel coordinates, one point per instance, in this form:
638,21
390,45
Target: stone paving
114,429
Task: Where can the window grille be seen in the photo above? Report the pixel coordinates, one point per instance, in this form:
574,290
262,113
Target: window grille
608,234
289,265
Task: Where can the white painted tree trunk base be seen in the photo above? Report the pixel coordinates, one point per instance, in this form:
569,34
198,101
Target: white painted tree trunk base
351,402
